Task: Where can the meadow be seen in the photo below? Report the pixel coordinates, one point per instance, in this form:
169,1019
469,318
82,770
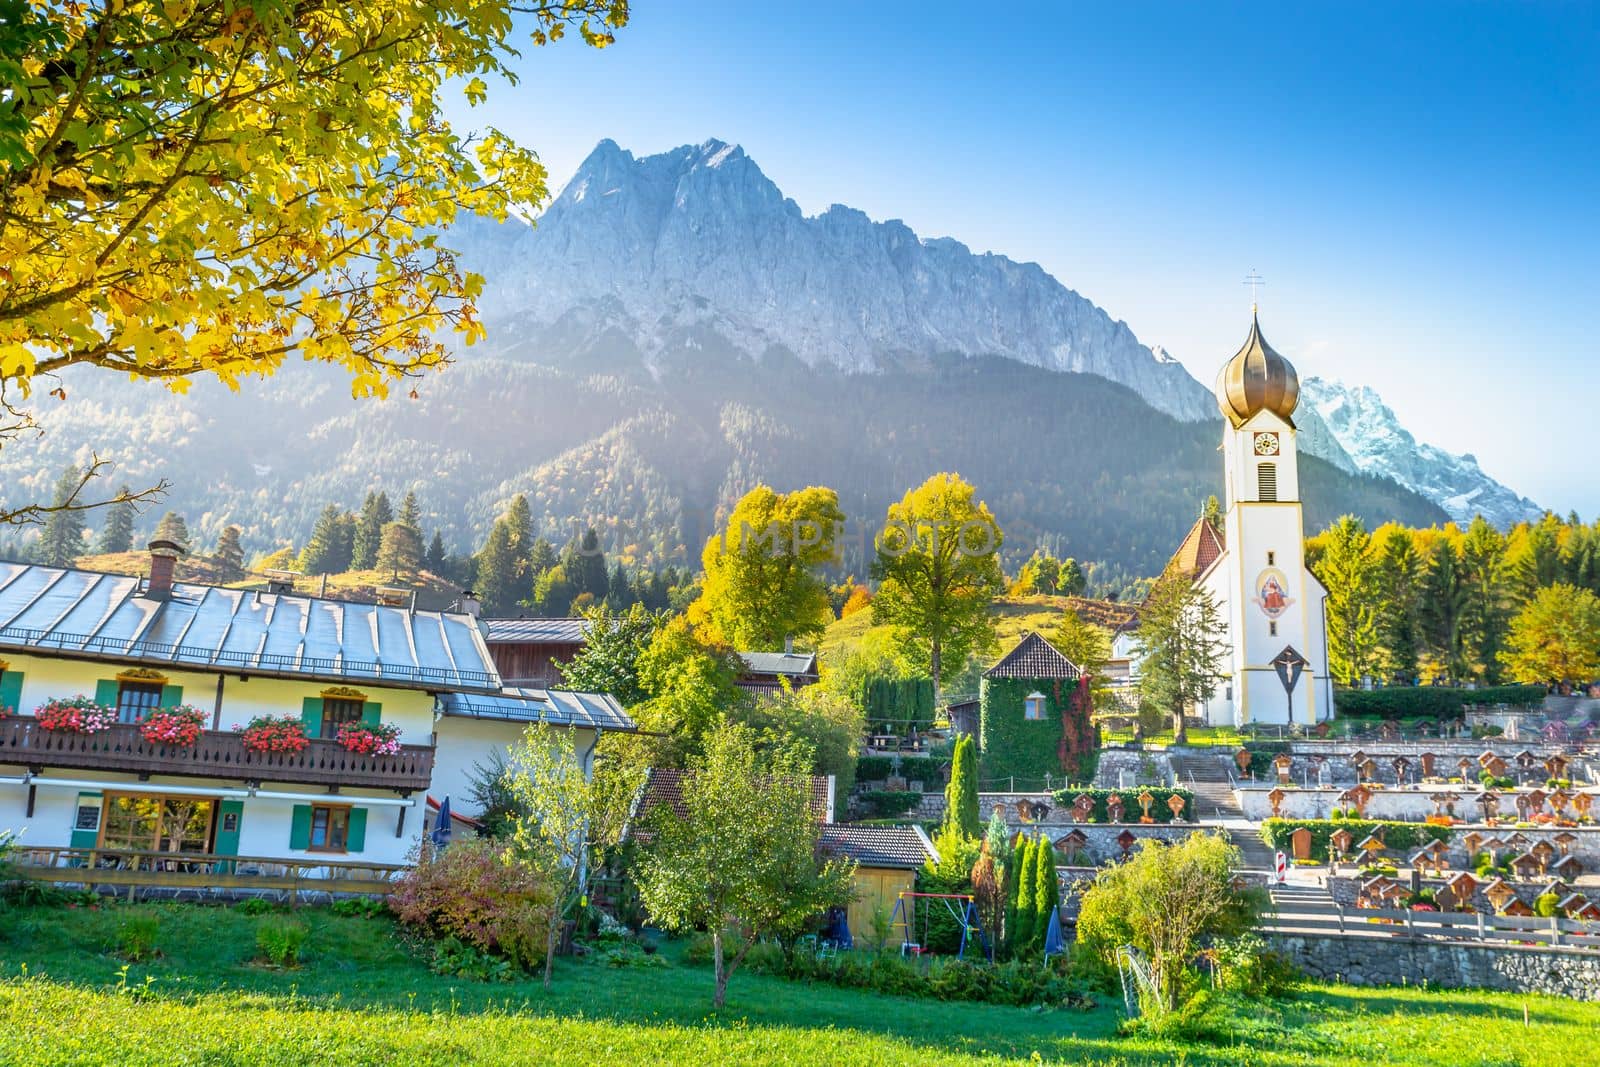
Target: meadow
362,996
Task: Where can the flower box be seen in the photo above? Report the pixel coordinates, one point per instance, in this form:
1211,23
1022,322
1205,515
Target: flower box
180,725
369,739
274,733
75,715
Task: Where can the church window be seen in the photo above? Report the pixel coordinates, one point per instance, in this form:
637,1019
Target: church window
1267,481
1272,628
1272,559
1033,706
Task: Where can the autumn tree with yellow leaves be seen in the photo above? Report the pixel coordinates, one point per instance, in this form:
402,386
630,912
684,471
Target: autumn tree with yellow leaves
211,187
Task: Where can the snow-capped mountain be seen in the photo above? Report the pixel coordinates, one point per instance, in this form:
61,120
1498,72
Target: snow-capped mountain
1379,445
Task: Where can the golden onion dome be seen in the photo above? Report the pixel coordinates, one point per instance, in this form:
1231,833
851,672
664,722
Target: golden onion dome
1257,379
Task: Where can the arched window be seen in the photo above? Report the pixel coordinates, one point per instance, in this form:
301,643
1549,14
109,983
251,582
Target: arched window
1267,481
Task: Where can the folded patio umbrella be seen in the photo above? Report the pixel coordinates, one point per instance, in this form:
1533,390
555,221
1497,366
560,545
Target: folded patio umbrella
1052,934
441,826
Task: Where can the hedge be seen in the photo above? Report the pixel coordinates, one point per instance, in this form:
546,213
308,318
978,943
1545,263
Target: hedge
884,803
1438,701
874,768
1401,837
898,705
1130,802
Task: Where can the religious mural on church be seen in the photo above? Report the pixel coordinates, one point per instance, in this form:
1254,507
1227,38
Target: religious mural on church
1272,593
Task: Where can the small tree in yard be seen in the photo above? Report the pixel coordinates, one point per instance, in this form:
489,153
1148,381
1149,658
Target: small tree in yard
961,795
551,835
1181,635
742,857
1163,901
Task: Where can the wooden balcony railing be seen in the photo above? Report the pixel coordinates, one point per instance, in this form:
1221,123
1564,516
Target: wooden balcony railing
203,872
217,754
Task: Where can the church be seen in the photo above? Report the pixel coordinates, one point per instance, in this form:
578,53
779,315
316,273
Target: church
1275,668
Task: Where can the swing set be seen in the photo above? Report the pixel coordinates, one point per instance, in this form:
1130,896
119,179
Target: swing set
963,908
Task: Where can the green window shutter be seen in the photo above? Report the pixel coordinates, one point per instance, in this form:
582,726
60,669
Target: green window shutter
311,716
355,838
11,690
371,713
105,692
300,826
171,696
86,838
228,840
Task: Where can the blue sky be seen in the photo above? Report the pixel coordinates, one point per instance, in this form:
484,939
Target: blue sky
1419,184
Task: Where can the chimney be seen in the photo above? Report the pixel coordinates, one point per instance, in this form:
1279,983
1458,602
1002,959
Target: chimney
163,557
788,645
280,582
469,604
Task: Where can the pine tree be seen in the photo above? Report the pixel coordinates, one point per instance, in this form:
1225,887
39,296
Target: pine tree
961,795
541,557
1047,892
410,514
400,551
322,554
61,543
1009,872
1488,615
435,559
1212,512
172,527
375,515
1027,895
1346,569
230,554
117,534
618,592
519,519
1398,574
591,576
1444,603
497,572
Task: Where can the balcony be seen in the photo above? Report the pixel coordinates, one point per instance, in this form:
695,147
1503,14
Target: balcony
218,754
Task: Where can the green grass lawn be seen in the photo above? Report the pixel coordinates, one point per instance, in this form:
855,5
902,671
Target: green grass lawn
362,998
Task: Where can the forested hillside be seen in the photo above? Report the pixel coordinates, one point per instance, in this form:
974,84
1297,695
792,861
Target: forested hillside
1070,461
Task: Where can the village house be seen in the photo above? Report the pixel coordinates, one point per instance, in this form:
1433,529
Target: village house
415,692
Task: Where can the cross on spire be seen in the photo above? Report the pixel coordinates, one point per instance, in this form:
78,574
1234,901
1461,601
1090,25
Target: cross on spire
1253,280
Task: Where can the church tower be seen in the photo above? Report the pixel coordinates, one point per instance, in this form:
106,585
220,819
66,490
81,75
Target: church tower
1273,605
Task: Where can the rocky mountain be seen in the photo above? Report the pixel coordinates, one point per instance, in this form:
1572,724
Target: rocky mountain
674,331
1380,446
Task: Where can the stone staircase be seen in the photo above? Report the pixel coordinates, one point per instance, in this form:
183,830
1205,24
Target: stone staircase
1207,776
1253,852
1302,908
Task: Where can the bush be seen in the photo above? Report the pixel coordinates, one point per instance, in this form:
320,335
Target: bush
1130,802
457,959
253,906
939,978
1399,836
1546,905
136,937
473,892
885,804
280,939
1437,702
360,908
874,768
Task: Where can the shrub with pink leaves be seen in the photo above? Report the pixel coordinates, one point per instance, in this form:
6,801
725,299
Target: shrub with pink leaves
474,891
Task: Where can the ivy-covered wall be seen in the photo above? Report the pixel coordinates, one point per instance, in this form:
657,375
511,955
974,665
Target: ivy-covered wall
1029,749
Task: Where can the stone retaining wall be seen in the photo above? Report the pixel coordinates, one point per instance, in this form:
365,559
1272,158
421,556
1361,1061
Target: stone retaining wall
1404,960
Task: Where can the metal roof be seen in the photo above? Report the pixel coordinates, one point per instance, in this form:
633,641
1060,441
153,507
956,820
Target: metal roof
779,662
905,847
537,631
106,616
558,706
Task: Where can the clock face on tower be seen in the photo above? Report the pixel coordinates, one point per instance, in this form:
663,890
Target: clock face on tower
1266,444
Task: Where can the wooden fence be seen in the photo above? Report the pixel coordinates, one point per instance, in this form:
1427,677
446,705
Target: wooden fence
203,874
1339,921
